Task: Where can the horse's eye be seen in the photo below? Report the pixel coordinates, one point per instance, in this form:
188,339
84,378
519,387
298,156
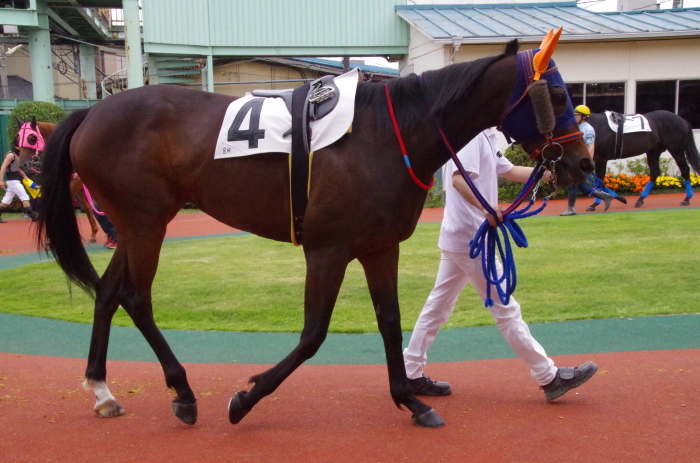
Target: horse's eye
558,99
31,139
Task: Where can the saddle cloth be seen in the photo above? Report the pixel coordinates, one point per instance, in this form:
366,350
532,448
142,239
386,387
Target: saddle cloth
262,125
631,122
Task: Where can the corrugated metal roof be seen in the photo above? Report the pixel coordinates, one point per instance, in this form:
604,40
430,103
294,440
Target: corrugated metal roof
502,22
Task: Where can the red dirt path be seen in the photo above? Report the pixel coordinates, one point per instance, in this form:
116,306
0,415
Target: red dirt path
640,407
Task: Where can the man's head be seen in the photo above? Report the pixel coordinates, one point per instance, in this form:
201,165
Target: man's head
581,112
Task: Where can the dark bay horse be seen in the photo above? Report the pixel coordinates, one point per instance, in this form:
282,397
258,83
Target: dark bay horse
145,152
669,132
28,151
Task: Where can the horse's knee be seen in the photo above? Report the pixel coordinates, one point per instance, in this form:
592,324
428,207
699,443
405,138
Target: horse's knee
310,344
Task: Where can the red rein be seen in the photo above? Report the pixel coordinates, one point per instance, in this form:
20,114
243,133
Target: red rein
416,180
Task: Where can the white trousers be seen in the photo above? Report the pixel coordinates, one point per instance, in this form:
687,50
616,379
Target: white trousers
456,270
14,187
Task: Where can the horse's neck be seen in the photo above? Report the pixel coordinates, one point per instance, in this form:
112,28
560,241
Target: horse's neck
46,128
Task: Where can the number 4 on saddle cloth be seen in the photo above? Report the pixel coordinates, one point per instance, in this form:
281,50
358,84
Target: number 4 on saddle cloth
261,122
315,115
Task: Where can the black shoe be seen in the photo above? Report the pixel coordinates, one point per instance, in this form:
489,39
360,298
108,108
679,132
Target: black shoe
591,208
621,198
426,386
569,378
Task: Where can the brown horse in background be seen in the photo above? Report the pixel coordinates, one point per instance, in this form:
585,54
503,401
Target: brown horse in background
146,152
76,185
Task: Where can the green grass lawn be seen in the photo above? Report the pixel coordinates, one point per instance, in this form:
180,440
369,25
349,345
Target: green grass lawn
588,266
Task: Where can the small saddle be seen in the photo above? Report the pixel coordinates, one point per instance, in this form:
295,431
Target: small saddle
322,98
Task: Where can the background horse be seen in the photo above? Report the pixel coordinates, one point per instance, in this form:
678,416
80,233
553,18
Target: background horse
145,152
668,132
76,185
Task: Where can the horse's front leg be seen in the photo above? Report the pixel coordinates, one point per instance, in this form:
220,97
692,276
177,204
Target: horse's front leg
325,270
653,157
381,270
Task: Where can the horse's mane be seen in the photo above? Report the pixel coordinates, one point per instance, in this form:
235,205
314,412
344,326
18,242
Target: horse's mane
46,128
431,94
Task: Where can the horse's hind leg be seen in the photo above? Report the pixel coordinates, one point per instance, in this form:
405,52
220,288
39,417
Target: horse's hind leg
381,270
106,304
142,253
679,157
128,281
325,270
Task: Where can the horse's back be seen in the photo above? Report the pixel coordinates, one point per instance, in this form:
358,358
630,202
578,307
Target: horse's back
152,148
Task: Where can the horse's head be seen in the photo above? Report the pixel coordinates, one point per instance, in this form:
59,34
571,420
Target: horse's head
540,95
29,141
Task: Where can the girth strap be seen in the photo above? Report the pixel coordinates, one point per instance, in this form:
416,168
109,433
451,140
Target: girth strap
299,163
618,136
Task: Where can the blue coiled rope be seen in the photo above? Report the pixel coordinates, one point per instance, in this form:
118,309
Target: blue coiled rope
488,242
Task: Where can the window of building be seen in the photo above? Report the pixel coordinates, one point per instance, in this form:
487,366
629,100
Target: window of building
689,101
599,97
678,96
656,95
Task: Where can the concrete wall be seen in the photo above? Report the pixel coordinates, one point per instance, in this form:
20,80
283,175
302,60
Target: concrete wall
243,71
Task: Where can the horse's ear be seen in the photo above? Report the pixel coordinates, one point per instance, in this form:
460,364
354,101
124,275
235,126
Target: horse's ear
541,59
33,122
20,122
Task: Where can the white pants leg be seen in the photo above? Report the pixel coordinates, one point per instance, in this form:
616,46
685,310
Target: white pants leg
456,270
14,188
437,310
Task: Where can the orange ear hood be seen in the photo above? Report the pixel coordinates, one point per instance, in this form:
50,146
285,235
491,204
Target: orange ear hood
541,59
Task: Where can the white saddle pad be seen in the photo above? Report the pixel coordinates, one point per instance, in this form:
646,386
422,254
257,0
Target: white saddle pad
633,123
271,119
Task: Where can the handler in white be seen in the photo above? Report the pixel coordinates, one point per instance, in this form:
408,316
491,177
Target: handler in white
13,185
463,217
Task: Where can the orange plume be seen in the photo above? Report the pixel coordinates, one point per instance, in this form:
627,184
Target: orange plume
541,59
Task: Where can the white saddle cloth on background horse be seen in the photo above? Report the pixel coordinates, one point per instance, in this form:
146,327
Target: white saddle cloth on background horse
630,122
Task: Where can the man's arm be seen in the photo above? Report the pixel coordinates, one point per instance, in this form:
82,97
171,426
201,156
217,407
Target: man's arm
521,174
9,157
463,189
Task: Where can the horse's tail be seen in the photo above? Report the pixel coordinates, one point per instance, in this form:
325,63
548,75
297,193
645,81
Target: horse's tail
691,153
57,229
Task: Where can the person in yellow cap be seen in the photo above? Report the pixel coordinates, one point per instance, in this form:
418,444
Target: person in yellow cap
581,112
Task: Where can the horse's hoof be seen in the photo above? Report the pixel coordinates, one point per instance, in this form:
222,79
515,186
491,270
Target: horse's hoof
429,419
685,203
236,412
186,412
639,203
109,409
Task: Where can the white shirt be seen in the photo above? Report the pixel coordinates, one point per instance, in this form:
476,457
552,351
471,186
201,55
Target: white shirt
462,220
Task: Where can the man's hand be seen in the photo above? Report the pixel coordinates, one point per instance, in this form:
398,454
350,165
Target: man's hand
493,221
